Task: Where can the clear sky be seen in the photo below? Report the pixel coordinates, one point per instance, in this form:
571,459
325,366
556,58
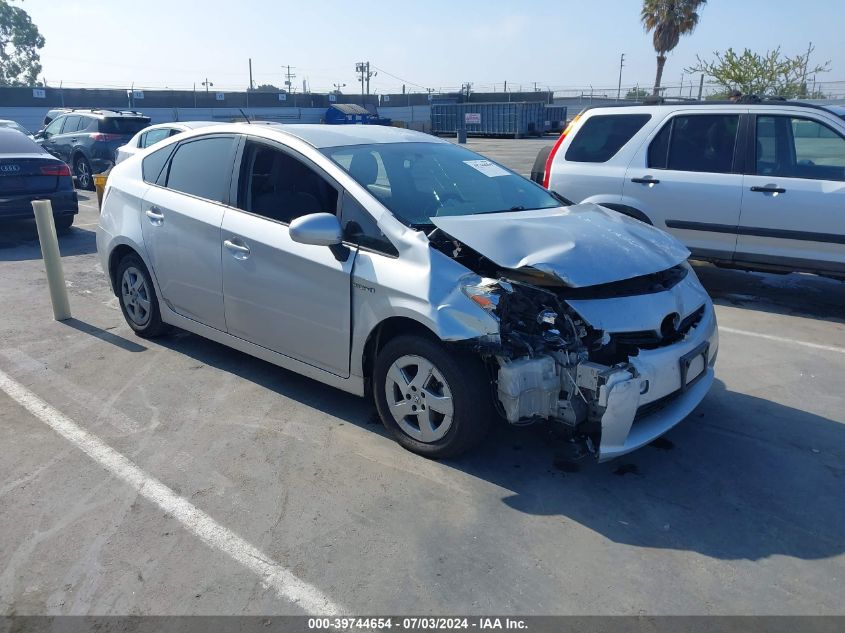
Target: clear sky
563,44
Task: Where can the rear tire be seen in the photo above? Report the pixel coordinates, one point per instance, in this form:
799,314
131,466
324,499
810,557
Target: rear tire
435,402
63,223
137,298
82,171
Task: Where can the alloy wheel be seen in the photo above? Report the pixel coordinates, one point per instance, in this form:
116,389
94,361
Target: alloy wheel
419,398
136,296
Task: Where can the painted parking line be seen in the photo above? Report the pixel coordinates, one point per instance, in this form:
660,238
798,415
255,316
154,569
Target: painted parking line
783,339
272,574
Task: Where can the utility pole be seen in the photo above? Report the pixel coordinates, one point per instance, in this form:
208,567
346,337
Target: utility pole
251,85
288,77
363,69
619,85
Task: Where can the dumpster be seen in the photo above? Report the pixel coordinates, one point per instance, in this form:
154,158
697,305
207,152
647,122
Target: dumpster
515,119
100,185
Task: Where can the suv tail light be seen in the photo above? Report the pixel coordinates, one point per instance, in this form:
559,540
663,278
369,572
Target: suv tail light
99,136
547,172
55,169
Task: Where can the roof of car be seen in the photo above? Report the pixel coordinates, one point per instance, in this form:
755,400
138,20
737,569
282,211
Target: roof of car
321,136
104,112
680,102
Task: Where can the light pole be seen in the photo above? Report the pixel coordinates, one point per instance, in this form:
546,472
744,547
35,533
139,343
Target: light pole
619,85
207,85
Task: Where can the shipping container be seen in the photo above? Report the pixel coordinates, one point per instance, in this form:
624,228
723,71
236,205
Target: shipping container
555,118
516,119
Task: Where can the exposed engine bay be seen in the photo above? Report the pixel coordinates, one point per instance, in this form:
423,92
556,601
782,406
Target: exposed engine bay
550,363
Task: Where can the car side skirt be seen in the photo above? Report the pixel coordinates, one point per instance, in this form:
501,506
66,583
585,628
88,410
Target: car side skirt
353,384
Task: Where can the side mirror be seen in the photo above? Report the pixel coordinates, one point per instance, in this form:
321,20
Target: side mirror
319,229
40,134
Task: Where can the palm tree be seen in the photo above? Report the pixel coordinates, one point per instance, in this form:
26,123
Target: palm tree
668,19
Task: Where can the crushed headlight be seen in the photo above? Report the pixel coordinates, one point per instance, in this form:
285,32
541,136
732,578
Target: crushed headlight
485,292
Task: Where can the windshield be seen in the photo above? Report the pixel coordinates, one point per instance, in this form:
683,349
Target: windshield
418,181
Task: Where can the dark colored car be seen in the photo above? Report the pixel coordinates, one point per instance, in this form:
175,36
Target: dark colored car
87,140
29,173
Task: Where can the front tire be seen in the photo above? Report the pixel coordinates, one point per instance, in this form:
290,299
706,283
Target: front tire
137,298
435,402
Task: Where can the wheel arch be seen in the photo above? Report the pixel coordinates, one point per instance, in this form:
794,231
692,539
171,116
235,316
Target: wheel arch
383,332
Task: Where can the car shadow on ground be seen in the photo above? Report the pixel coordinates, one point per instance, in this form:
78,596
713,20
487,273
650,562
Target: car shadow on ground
19,241
741,478
793,294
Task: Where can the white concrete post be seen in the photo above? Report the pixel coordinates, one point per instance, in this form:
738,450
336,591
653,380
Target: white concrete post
52,258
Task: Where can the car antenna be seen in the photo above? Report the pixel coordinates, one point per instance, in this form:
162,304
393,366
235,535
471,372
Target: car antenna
245,116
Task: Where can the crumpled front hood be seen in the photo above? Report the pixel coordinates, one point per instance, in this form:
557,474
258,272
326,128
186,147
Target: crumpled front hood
582,245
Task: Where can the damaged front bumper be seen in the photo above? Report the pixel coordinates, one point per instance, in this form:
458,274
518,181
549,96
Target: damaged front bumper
629,404
671,382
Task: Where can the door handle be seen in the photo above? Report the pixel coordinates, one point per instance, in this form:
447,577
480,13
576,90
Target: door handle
645,181
240,251
155,215
768,189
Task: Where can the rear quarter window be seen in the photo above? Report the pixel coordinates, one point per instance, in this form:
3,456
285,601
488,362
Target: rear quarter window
153,164
603,135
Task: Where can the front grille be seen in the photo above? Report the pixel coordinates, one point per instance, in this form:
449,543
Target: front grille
649,339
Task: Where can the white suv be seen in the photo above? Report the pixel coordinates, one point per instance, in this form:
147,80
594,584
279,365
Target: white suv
756,185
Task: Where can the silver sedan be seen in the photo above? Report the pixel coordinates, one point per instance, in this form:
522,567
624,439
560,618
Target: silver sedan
388,262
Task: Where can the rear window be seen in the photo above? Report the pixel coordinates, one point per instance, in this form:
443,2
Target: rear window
602,136
14,142
123,125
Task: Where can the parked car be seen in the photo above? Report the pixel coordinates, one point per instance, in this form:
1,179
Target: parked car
87,140
28,173
392,262
155,134
7,123
757,185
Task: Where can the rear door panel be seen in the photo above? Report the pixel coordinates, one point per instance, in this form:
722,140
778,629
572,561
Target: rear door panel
701,208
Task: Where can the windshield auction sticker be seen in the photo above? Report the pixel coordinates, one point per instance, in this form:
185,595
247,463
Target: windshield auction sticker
487,168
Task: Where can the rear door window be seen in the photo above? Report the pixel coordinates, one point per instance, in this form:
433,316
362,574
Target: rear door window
698,142
71,124
602,136
203,168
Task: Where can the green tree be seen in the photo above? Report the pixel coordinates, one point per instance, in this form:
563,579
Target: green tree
637,94
769,74
267,88
20,42
668,20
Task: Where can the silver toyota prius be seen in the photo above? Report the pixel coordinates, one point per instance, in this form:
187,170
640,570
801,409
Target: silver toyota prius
391,263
